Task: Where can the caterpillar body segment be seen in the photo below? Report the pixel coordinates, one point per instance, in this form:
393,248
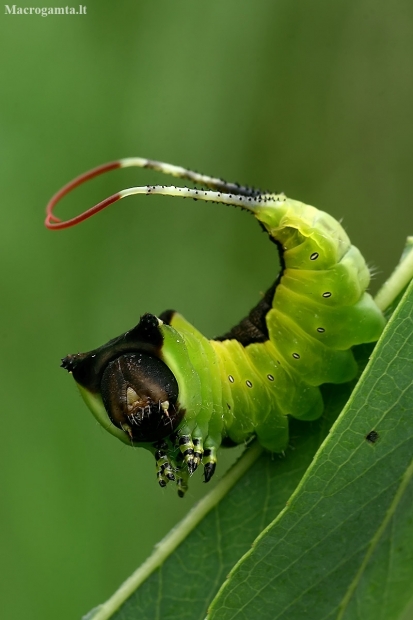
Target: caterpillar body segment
165,387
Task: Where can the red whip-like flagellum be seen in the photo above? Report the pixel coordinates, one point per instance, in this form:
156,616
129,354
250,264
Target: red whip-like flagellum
227,193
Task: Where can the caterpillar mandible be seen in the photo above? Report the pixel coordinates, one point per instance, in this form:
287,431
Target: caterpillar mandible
163,386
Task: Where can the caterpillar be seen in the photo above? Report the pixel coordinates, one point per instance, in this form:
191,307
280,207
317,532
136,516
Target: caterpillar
164,386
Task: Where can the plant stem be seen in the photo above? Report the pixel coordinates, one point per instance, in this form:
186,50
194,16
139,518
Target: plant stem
400,277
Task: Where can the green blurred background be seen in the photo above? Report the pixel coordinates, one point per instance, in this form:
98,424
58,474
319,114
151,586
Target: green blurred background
313,98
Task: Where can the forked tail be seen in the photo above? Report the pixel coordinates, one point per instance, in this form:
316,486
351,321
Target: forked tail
220,191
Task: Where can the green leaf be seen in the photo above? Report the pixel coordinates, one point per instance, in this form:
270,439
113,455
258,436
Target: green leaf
343,548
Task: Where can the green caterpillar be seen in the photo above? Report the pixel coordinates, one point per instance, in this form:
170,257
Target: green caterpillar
165,387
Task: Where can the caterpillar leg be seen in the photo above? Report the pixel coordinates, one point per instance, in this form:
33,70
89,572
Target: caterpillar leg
192,453
182,477
189,457
198,450
164,465
210,462
187,448
178,459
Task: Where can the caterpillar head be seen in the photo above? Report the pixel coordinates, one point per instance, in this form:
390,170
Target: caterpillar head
128,387
140,393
